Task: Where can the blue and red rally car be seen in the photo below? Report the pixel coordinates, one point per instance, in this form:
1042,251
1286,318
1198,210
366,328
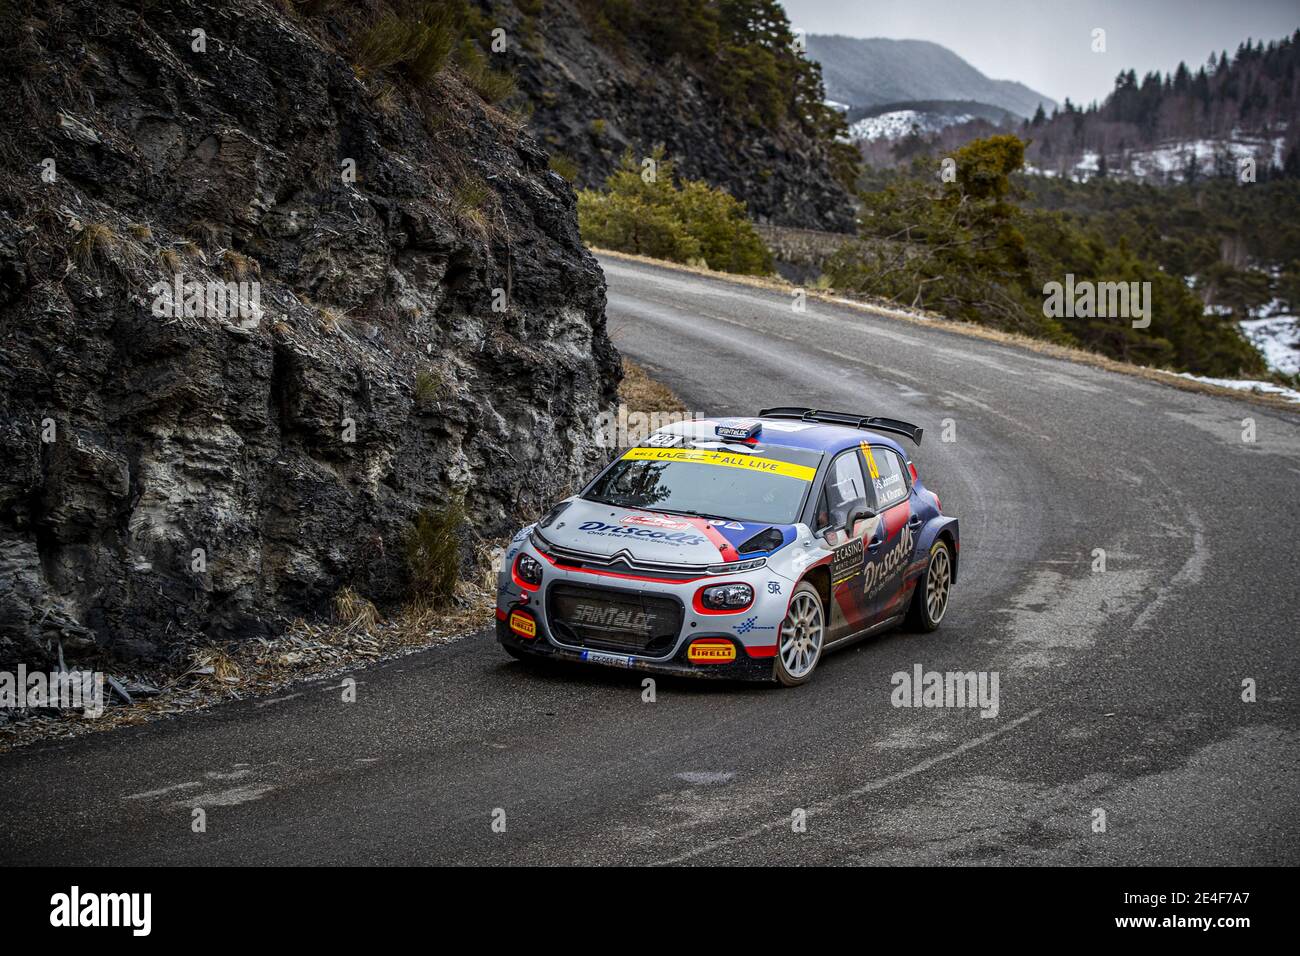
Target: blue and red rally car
734,547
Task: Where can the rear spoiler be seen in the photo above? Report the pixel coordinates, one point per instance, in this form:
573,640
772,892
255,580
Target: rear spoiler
869,423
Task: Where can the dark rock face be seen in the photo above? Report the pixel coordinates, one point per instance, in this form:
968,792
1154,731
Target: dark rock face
590,105
164,475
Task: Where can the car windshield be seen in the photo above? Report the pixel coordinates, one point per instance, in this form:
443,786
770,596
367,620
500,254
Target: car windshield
767,487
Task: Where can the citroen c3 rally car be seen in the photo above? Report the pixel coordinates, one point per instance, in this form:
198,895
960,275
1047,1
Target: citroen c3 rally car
734,547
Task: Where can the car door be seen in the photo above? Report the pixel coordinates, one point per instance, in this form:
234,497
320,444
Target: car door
892,542
845,484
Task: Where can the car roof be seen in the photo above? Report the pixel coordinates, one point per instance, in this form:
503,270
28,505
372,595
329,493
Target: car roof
787,433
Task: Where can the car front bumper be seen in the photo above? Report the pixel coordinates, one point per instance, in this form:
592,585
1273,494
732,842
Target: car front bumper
743,667
752,633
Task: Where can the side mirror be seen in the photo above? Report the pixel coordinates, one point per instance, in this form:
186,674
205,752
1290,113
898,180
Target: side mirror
851,513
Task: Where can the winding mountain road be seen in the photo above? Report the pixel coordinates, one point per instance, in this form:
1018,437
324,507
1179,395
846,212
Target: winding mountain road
1119,690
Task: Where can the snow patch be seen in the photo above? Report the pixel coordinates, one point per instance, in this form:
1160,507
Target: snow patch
1278,339
1245,385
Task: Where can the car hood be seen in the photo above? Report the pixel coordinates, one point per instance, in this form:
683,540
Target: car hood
655,537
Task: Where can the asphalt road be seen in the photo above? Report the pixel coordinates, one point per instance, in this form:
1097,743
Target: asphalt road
1119,691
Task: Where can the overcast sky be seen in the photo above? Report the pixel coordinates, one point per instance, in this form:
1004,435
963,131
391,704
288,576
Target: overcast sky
1047,44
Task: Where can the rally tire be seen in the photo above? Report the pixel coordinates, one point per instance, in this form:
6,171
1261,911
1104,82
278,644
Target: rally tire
801,638
930,599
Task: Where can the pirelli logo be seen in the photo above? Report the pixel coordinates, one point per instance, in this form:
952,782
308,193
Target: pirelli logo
523,624
723,459
711,652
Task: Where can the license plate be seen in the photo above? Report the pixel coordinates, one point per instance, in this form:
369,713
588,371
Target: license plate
618,660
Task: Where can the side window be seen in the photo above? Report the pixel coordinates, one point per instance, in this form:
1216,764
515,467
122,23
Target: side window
844,482
822,519
888,476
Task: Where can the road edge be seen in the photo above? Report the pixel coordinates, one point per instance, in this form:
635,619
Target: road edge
932,320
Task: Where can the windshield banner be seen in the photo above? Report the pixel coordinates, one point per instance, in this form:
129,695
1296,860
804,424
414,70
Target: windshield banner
723,459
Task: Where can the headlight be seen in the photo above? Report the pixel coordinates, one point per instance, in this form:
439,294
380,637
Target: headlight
727,597
528,570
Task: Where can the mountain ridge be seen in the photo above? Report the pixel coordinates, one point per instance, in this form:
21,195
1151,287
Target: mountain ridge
865,72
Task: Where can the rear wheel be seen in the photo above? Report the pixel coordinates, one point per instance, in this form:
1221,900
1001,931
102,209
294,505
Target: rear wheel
801,637
930,600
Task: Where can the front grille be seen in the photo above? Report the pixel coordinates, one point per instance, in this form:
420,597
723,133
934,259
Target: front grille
624,564
606,619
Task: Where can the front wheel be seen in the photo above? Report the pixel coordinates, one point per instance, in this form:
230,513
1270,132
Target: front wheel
802,634
930,600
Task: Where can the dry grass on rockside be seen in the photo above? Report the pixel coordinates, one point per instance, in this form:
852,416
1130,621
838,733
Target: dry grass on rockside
641,392
356,636
883,307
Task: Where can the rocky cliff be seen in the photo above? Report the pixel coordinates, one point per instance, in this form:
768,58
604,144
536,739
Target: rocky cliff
597,84
184,456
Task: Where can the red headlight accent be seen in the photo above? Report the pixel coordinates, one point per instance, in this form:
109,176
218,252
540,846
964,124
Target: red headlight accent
519,581
698,601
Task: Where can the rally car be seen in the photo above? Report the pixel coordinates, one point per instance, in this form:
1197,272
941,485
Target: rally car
734,547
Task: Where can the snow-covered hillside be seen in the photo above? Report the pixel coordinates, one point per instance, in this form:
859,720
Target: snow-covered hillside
1170,162
898,123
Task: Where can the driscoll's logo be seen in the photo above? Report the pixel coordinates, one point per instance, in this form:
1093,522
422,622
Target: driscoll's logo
670,537
878,572
75,908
